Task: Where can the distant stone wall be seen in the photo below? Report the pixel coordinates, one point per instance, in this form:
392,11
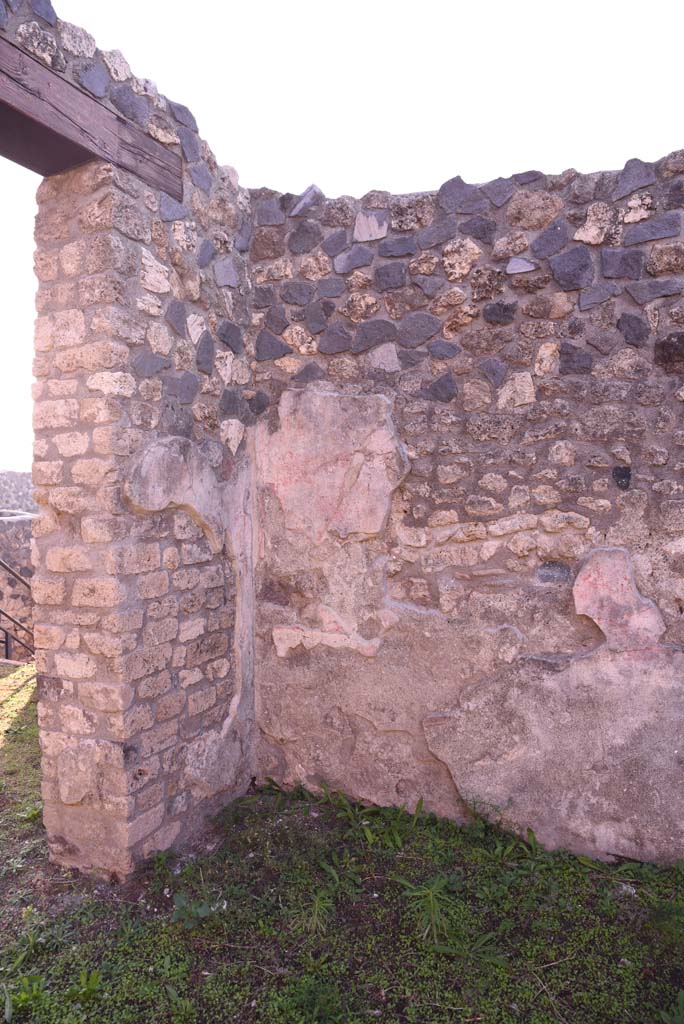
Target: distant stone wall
15,549
16,492
379,493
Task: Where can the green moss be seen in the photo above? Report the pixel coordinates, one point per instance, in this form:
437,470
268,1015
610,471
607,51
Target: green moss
315,911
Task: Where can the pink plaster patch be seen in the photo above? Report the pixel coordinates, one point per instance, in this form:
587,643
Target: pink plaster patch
606,591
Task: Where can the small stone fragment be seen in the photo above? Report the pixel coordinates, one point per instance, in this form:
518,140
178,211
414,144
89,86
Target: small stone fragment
305,237
666,258
400,245
500,312
372,333
518,390
417,328
226,272
499,191
481,228
312,196
635,174
176,317
647,291
622,263
371,225
634,329
663,225
459,258
357,256
443,389
574,360
269,347
573,269
601,221
309,373
205,354
668,353
533,210
335,339
455,196
230,335
552,240
520,265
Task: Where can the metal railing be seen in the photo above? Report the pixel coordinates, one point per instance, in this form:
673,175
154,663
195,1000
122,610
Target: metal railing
8,635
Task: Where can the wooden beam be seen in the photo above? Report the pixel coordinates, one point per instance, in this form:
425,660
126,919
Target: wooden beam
49,126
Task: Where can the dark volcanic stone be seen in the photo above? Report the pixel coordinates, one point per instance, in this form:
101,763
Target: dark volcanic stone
190,144
400,245
675,197
176,317
646,291
312,196
297,293
635,174
481,228
148,364
372,333
44,10
316,316
233,406
429,285
573,269
330,287
3,15
206,353
226,272
264,295
276,320
259,403
389,276
334,339
184,388
455,196
622,475
634,329
230,335
494,370
170,210
668,353
305,237
201,177
437,233
132,106
664,225
95,78
622,263
441,349
270,347
443,389
600,293
334,244
243,236
206,253
309,373
500,312
554,572
417,328
183,115
499,191
357,256
411,357
551,240
269,213
574,359
527,177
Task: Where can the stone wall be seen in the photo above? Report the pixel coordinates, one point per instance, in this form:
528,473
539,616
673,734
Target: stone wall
470,391
16,491
15,549
381,493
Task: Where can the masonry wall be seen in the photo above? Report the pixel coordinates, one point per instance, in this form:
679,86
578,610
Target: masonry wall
470,392
382,493
15,598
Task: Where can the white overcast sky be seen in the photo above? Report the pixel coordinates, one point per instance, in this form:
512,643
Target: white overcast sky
372,94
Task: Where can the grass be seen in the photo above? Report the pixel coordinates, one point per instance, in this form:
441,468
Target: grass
298,909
